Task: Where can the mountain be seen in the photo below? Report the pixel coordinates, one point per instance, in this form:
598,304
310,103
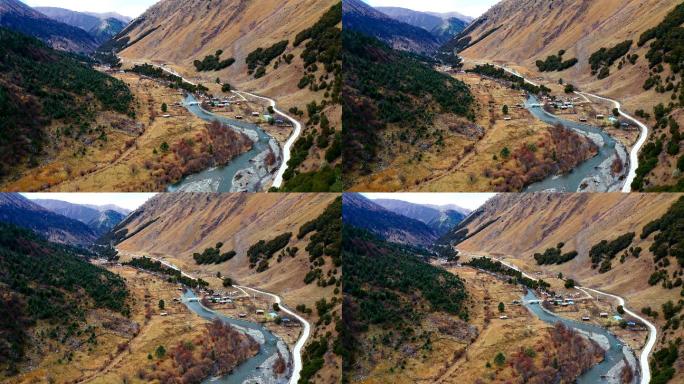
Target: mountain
360,17
17,16
99,219
443,26
20,211
361,212
628,50
450,15
440,219
101,27
624,244
387,288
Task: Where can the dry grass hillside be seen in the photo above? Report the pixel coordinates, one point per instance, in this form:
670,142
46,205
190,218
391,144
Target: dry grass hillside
512,228
172,227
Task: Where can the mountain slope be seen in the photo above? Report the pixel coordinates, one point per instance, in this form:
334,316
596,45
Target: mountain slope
440,219
358,211
18,210
399,112
179,225
359,16
64,289
19,17
48,100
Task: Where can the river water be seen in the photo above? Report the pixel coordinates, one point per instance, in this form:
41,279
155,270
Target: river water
572,181
613,356
248,371
220,179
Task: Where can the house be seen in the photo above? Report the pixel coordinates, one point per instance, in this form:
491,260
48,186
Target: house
586,318
260,312
166,116
256,114
163,314
503,317
603,314
583,119
600,117
239,117
507,118
242,315
617,318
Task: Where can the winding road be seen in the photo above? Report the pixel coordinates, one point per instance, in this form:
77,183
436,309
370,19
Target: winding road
652,330
634,154
306,331
278,181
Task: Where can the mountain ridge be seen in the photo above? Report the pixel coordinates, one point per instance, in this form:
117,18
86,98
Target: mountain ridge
361,17
24,19
20,211
361,212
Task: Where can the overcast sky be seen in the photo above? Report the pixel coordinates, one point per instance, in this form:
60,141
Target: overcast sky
470,201
131,8
472,8
124,200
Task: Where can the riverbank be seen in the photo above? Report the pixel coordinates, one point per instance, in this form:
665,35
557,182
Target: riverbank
251,171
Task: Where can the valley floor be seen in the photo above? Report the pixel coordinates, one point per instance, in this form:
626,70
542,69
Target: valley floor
460,352
480,156
142,154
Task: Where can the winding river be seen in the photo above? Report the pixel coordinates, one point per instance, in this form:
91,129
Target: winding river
572,181
249,371
613,355
220,179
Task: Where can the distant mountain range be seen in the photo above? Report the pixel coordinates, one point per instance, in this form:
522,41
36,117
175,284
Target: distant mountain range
361,212
440,219
443,26
359,16
20,17
99,219
101,26
20,211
